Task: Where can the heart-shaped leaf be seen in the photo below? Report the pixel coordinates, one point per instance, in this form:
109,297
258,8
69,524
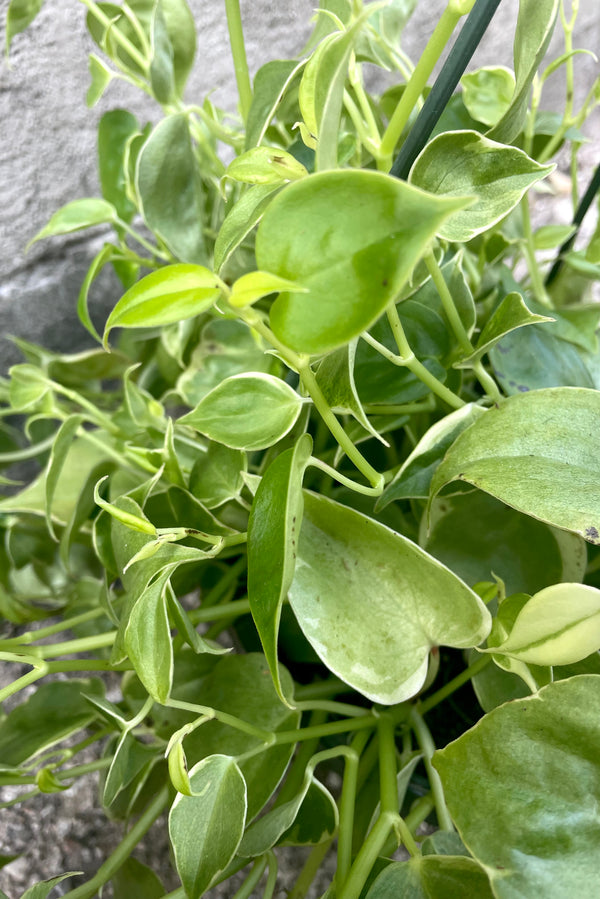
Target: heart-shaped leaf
361,234
372,603
432,877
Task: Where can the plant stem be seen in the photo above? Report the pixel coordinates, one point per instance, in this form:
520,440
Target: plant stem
347,804
20,683
253,878
81,644
388,787
310,870
42,633
419,811
448,303
364,861
266,736
537,283
448,689
427,747
238,51
418,80
325,730
123,850
310,382
315,462
118,35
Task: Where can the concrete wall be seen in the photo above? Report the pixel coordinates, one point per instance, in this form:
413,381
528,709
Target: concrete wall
47,137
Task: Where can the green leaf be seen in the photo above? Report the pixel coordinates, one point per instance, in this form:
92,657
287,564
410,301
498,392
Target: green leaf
76,216
464,163
97,264
101,77
217,475
558,626
181,29
114,131
49,715
362,234
533,358
550,236
478,538
241,219
270,84
413,480
170,191
432,877
134,880
148,639
20,15
317,819
131,761
28,387
537,453
254,286
515,816
273,528
487,93
41,890
335,377
60,450
373,621
206,829
162,70
265,165
246,411
167,295
512,313
535,25
186,629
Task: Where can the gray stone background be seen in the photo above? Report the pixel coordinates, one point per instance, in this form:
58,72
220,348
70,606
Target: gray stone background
47,137
47,158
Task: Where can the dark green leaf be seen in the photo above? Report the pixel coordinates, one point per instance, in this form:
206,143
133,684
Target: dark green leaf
170,190
273,529
512,313
114,131
134,880
432,877
162,71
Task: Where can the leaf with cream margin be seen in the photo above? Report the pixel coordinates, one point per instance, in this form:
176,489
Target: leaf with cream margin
372,603
538,453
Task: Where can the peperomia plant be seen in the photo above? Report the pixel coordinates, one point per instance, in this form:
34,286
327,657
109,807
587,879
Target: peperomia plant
330,502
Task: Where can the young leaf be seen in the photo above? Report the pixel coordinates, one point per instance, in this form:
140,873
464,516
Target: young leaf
265,165
464,163
148,639
535,25
512,313
254,286
101,77
76,216
270,84
132,760
217,475
247,411
206,828
517,817
168,295
363,232
97,264
170,191
20,15
487,93
371,621
273,529
558,626
241,219
536,452
335,377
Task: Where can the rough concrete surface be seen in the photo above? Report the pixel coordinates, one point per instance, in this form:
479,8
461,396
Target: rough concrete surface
47,158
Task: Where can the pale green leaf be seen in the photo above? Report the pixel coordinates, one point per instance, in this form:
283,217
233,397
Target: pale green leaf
372,603
550,236
487,93
206,828
363,232
516,815
512,313
558,626
270,84
255,285
217,475
536,452
464,163
535,24
76,216
273,529
162,71
335,377
101,77
60,450
20,15
148,639
265,165
241,219
168,295
247,411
